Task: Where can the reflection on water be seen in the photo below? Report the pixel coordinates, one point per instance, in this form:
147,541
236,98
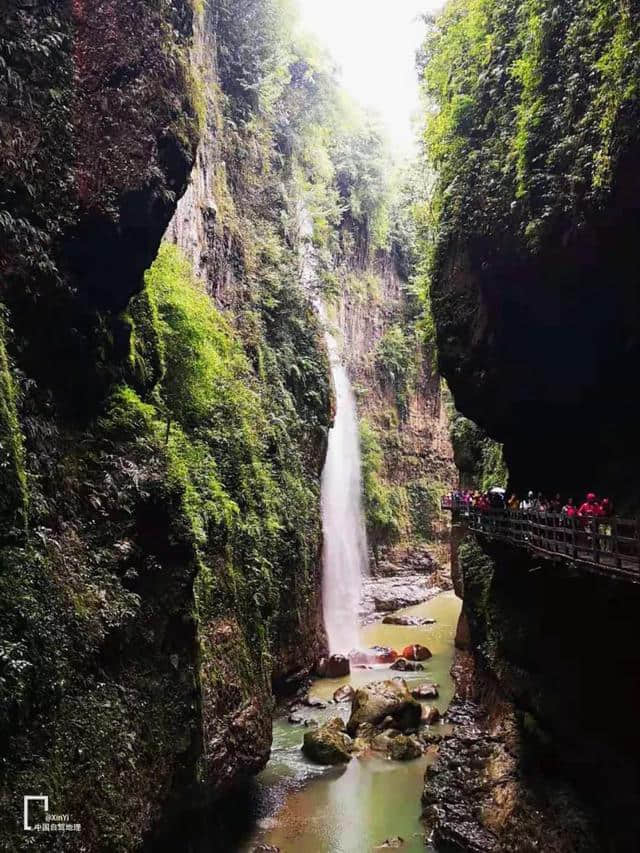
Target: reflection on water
303,808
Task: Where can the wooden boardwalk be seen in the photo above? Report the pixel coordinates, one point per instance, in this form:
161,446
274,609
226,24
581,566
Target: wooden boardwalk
606,546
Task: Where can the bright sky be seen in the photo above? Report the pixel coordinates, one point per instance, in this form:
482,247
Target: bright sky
374,43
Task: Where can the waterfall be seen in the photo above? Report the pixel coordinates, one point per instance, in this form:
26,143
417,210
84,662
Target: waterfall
345,553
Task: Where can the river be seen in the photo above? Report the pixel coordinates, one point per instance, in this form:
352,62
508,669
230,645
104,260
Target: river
303,808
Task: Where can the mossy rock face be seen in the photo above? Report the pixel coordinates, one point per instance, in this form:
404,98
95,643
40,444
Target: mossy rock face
381,699
539,102
329,744
13,485
405,748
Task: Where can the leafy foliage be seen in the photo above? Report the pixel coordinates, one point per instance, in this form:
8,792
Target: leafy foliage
386,508
532,105
396,363
478,458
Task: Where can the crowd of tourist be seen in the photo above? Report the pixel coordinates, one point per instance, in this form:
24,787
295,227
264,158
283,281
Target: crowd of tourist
496,498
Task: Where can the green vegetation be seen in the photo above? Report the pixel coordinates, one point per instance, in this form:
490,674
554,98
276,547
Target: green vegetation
478,458
396,361
385,506
424,498
232,442
13,481
535,100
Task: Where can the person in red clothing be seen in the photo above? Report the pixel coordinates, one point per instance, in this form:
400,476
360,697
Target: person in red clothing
569,509
590,508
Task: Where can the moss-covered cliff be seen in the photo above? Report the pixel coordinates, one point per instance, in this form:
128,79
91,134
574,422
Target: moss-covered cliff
546,706
160,456
534,281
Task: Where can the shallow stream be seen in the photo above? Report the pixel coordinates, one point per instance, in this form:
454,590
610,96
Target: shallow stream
303,808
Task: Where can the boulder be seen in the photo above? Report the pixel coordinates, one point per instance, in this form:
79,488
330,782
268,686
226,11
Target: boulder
430,738
336,666
416,652
380,699
313,702
266,848
404,665
382,654
374,655
360,745
366,732
405,748
407,621
329,744
430,715
382,743
344,693
425,691
391,844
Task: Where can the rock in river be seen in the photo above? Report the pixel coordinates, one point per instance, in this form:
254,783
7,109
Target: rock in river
407,621
344,693
405,748
381,699
416,652
336,666
374,655
329,744
404,665
425,691
430,715
313,702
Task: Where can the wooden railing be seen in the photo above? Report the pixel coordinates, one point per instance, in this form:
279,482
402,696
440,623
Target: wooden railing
608,545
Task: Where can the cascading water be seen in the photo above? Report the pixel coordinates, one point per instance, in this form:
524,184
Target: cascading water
345,554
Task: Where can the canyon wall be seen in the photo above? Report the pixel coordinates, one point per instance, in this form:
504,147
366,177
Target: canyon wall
534,291
546,700
534,281
406,447
162,431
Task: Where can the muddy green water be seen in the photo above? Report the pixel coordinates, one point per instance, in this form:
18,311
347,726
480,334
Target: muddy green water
303,808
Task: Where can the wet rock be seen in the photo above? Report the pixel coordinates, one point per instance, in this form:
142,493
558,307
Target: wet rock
430,738
295,719
405,748
380,699
391,844
407,621
425,691
372,656
328,744
430,715
313,702
344,693
399,589
366,731
416,652
266,848
382,743
336,666
404,665
360,745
